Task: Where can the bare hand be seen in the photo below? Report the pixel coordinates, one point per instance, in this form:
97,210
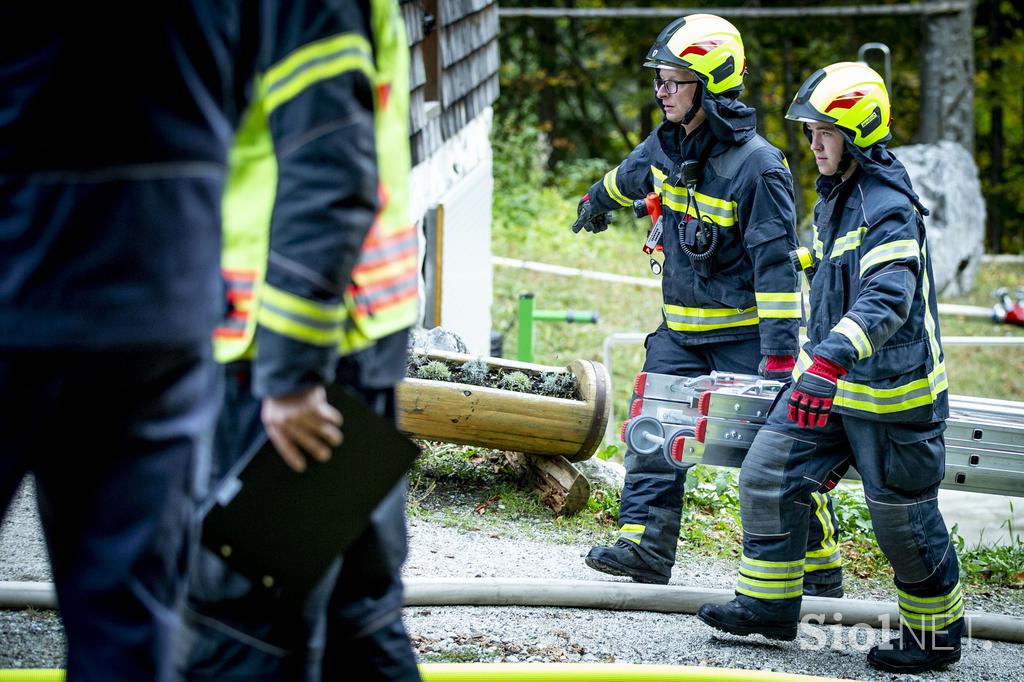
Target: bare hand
302,422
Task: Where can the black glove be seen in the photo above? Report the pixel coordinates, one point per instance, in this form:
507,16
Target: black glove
587,219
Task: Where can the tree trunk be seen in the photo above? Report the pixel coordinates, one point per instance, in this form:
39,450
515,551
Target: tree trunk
793,136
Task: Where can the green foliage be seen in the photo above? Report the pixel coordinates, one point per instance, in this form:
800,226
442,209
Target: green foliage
992,564
434,370
575,98
515,381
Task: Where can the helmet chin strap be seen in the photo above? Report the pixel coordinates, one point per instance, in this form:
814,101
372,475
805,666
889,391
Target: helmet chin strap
698,99
844,164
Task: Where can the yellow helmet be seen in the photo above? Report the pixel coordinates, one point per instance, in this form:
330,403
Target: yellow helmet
708,45
850,95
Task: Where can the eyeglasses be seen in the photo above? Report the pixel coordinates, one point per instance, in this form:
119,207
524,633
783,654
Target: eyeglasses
671,87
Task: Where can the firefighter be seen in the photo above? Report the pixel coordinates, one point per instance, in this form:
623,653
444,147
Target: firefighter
113,145
731,299
870,384
333,301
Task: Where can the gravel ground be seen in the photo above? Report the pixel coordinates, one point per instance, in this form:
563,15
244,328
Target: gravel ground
448,539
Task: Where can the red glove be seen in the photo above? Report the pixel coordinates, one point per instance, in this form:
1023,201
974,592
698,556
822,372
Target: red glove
811,400
777,367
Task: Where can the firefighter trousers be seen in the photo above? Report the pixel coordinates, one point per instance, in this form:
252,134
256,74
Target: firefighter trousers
350,626
901,465
115,441
652,498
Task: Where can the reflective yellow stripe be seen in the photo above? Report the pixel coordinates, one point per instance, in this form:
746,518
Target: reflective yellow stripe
828,556
777,568
778,305
633,532
931,613
852,331
319,312
313,63
888,400
848,242
819,246
770,589
299,318
612,188
896,250
929,623
681,319
935,604
286,326
659,179
717,210
929,324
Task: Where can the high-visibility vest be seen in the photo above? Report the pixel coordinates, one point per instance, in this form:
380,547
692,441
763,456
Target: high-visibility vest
383,295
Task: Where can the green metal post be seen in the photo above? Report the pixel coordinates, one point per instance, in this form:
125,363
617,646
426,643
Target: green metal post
524,350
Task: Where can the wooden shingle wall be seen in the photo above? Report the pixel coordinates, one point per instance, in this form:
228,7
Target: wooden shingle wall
464,47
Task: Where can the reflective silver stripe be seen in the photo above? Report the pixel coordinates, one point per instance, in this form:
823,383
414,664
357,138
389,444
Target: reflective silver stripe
633,532
803,361
849,241
370,295
819,246
303,67
849,392
931,621
770,589
381,252
895,250
778,305
857,336
696,319
937,604
818,563
756,568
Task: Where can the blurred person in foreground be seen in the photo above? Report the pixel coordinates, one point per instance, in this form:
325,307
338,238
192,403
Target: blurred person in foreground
321,265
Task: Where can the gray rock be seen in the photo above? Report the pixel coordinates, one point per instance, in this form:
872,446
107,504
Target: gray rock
611,474
946,177
437,338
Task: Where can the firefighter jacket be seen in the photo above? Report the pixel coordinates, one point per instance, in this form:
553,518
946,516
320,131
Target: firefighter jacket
747,287
873,301
112,156
320,258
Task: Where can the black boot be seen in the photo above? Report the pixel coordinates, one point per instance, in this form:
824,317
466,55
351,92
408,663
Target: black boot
737,619
833,590
916,652
623,559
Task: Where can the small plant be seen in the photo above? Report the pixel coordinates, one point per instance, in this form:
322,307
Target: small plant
516,381
474,372
557,384
435,370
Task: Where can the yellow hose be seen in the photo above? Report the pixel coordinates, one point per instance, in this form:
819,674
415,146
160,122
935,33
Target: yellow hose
533,672
593,672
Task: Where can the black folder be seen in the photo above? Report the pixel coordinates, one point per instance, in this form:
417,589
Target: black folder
283,529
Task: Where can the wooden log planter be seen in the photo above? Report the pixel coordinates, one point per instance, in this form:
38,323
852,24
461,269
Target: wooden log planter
542,435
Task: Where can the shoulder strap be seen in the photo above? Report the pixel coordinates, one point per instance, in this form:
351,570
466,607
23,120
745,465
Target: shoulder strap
728,163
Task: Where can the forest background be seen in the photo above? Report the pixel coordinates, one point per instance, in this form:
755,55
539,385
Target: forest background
574,92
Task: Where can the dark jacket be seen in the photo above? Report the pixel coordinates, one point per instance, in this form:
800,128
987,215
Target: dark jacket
748,287
873,302
112,155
